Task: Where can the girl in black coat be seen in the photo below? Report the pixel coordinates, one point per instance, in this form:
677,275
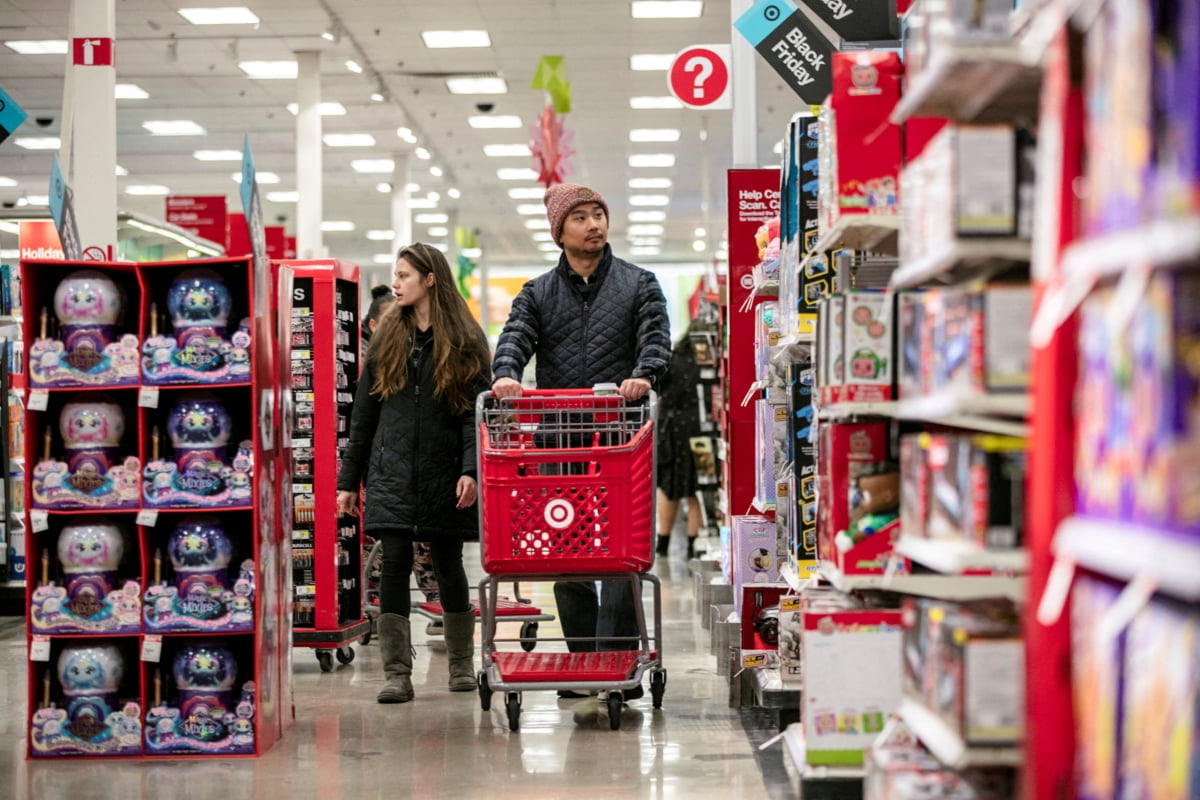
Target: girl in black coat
412,444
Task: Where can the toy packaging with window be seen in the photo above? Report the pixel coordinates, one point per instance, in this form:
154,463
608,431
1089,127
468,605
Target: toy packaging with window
98,465
867,348
99,589
202,472
88,703
200,346
752,554
203,710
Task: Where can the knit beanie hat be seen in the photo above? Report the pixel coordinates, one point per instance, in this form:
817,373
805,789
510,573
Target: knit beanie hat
562,199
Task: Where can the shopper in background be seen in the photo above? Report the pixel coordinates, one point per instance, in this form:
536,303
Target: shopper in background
678,422
412,443
592,319
381,300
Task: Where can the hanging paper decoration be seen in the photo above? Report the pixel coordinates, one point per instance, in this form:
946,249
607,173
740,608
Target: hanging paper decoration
551,78
550,143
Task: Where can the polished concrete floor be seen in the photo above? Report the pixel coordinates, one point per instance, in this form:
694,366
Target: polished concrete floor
345,745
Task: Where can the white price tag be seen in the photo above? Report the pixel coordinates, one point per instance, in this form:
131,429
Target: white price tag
39,649
39,521
151,648
148,397
147,517
38,400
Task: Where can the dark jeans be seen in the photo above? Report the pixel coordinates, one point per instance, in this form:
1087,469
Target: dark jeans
447,553
584,614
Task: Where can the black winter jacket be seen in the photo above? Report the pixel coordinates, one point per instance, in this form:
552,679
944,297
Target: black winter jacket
613,328
410,450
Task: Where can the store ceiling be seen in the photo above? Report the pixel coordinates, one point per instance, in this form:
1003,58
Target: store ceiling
205,84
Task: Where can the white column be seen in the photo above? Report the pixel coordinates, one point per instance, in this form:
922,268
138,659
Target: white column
401,211
745,93
309,208
89,122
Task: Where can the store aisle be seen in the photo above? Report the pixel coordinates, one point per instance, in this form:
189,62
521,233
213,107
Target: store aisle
344,745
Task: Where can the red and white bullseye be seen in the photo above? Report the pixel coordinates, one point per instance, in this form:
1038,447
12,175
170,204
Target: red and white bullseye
559,514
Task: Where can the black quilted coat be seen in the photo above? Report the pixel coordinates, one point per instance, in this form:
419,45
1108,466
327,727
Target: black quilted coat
410,450
609,329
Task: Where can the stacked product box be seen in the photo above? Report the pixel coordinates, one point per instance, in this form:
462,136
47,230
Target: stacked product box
801,522
753,559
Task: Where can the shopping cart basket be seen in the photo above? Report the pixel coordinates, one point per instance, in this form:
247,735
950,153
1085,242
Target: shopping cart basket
567,494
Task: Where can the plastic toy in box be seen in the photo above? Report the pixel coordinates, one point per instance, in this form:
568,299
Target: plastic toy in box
201,474
92,597
976,489
201,716
93,474
753,557
92,720
89,349
862,484
199,597
1165,391
868,348
200,348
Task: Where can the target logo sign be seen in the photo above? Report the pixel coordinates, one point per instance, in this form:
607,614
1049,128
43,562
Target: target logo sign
559,514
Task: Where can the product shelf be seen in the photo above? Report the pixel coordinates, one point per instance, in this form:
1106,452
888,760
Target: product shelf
796,748
948,747
973,82
1126,551
1000,413
1162,243
877,233
962,259
952,557
885,408
944,587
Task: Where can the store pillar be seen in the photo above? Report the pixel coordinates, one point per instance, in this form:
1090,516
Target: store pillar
309,209
745,93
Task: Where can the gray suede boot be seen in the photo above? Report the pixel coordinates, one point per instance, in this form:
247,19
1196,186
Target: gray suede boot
460,647
395,645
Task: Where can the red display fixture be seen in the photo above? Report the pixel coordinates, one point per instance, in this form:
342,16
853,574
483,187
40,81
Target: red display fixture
321,309
154,625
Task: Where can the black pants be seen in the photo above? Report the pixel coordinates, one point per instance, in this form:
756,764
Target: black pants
394,590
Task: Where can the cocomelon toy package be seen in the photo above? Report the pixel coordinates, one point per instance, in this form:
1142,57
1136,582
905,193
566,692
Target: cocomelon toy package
866,150
851,681
93,715
93,342
200,347
95,588
201,715
202,473
98,467
835,349
201,593
868,348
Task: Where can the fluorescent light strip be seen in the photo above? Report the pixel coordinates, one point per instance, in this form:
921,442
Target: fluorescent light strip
348,140
326,109
42,47
506,150
259,177
527,193
644,251
354,67
337,226
373,165
499,121
654,103
129,91
7,182
537,224
649,200
169,234
516,174
269,70
444,39
645,230
431,219
383,258
648,62
283,197
647,216
38,142
542,236
477,86
148,190
239,15
654,135
217,155
531,209
438,231
651,160
381,236
173,127
649,183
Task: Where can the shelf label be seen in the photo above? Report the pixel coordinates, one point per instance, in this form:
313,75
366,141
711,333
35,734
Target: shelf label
147,517
148,397
39,399
39,648
151,648
753,660
39,521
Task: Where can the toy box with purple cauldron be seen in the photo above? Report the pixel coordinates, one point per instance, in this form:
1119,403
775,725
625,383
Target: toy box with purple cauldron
98,591
95,469
205,712
200,593
199,347
203,471
91,714
84,341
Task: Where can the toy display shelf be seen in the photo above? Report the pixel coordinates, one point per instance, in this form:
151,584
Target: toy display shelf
943,587
843,411
973,82
1126,551
1161,243
1000,413
952,557
963,259
772,694
876,233
948,747
797,749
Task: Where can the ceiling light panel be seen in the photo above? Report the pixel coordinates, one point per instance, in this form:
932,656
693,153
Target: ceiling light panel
354,67
269,70
129,91
648,62
44,47
647,216
645,230
121,171
147,189
543,236
666,9
443,39
527,193
531,209
373,165
383,258
348,140
649,200
438,231
516,174
422,154
654,135
650,160
477,86
259,177
327,109
431,219
644,251
537,224
548,247
173,127
383,188
230,15
498,121
506,150
38,142
7,181
381,236
337,226
649,183
217,155
283,197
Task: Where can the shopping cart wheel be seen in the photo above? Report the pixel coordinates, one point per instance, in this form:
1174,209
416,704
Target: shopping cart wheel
529,631
485,692
615,701
345,654
512,704
325,659
658,686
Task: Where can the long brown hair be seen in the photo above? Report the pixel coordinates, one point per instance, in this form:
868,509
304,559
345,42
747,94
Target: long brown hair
460,352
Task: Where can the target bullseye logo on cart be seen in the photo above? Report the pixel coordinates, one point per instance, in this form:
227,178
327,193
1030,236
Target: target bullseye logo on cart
559,514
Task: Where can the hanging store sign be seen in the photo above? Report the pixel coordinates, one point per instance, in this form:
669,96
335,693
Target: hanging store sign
792,45
858,20
11,115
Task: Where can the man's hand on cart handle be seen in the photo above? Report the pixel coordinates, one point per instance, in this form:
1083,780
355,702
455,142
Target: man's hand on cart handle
634,388
466,492
506,387
347,502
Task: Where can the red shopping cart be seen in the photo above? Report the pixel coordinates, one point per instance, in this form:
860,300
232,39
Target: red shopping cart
567,494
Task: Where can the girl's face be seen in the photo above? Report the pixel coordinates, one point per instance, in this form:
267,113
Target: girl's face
409,285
